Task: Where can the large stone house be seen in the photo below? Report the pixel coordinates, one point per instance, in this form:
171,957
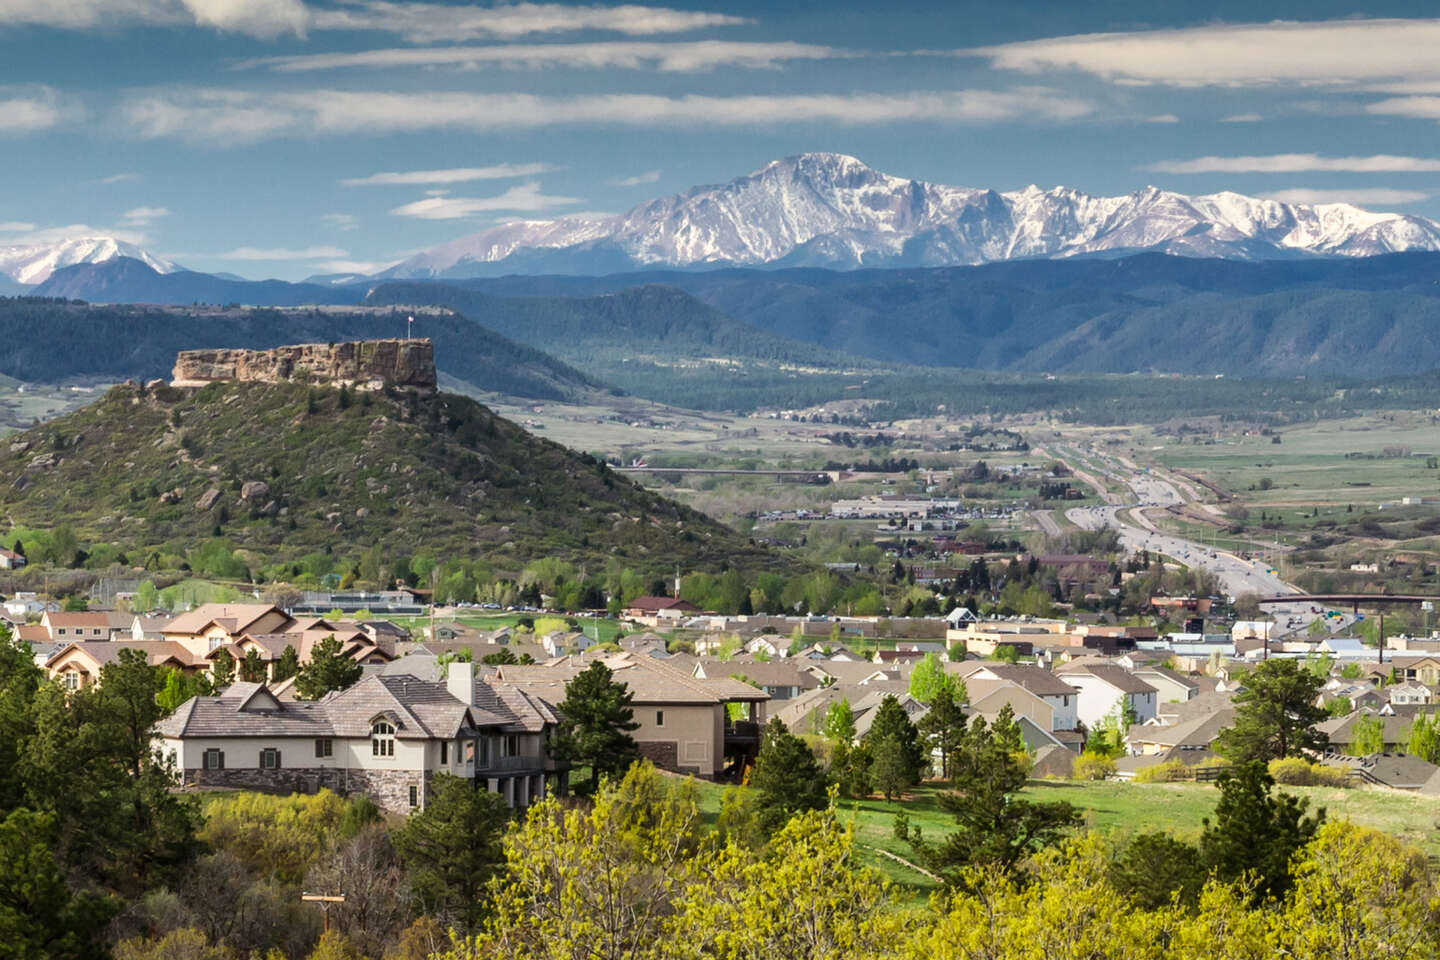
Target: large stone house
385,737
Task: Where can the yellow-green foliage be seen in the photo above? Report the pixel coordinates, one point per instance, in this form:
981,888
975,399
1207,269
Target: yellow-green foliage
1299,772
187,943
1168,772
282,836
1093,766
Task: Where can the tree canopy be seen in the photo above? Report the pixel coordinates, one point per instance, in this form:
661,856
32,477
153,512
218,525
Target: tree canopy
598,718
1275,713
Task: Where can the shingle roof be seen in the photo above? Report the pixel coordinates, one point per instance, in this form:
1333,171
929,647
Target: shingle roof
1116,676
1199,732
648,680
1037,680
156,651
235,617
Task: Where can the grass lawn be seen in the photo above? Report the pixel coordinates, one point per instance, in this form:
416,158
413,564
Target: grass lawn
1118,808
607,628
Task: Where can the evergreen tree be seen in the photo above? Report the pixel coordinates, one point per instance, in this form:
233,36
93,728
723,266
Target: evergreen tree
1275,713
943,726
452,848
598,718
993,827
328,669
787,777
252,668
288,665
1155,867
890,770
1256,832
40,916
893,723
222,672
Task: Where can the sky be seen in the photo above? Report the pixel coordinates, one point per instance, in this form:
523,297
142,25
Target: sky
287,138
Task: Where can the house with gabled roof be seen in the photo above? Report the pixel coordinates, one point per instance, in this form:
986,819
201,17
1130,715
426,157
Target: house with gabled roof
1102,687
78,665
211,625
1056,692
386,737
685,721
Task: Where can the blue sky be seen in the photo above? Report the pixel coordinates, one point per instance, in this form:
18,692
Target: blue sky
290,137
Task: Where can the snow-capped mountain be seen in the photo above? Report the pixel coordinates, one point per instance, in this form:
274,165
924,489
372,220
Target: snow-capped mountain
831,210
33,263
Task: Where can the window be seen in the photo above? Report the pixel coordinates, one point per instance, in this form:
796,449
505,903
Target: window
269,759
382,739
512,745
484,760
324,747
214,759
659,718
1065,700
60,631
469,751
72,679
414,795
444,752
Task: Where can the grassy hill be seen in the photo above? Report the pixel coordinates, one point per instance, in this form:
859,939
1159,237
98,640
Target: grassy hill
343,474
48,340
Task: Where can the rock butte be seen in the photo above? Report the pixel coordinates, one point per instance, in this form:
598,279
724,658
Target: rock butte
364,364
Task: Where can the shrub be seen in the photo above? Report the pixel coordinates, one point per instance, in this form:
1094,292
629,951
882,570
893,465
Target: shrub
1299,772
1165,773
1093,766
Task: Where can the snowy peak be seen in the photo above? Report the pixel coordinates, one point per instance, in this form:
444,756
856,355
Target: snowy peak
832,210
33,263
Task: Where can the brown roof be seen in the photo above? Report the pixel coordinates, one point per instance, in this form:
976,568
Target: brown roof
656,604
1037,680
234,617
1116,676
648,679
156,651
87,619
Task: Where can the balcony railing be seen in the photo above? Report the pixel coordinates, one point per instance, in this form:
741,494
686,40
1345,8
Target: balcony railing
525,762
742,730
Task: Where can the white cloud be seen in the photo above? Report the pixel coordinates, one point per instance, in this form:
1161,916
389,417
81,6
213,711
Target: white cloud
143,216
261,18
31,109
499,171
1375,196
526,198
71,232
1163,118
1318,52
283,253
650,176
444,23
1422,108
341,221
215,117
119,178
15,226
1242,118
675,57
353,266
1299,163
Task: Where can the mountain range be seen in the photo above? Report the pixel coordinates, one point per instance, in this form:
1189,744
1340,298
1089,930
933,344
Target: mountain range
831,210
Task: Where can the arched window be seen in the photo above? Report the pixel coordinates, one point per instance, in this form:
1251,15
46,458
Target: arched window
382,738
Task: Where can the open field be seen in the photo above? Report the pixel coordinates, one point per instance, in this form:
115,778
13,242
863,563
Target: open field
1122,810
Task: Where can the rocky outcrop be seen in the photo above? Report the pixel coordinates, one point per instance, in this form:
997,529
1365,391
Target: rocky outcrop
366,364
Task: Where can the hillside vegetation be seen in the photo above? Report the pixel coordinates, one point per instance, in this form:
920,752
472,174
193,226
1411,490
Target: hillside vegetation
161,474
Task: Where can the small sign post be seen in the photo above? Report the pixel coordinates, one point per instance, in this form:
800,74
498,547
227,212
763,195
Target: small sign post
324,899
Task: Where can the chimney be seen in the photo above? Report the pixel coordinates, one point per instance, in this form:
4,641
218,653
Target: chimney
460,681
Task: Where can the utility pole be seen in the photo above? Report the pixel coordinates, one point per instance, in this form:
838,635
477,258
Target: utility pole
325,900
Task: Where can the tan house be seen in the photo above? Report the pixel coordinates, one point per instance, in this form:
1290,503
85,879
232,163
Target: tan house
79,664
79,627
685,721
211,625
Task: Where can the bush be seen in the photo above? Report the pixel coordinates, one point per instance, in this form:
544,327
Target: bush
1169,772
1093,766
1299,772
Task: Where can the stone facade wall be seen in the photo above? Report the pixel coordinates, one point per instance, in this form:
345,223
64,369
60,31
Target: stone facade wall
665,754
367,364
390,789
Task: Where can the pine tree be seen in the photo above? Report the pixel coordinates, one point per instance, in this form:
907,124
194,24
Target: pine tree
943,726
787,777
892,723
452,847
288,665
222,673
1256,832
1275,713
328,669
252,668
598,717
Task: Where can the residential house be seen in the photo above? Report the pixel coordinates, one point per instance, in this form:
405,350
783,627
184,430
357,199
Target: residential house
1169,685
1190,742
78,664
1340,731
654,610
781,679
1057,692
685,722
385,737
211,625
24,603
1104,687
79,627
10,560
558,643
1410,692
